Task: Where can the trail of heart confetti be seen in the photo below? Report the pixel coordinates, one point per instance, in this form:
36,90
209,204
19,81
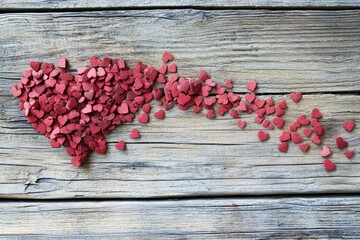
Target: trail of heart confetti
77,111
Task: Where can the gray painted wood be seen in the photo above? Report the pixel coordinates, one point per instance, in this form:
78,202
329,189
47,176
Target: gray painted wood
309,51
253,218
83,4
183,155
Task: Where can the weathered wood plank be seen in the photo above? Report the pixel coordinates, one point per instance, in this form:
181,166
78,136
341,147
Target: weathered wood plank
253,218
82,4
183,155
309,51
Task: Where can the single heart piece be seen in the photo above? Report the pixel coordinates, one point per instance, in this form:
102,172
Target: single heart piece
341,143
263,135
325,151
349,153
296,96
283,147
121,145
159,114
304,147
134,133
329,165
251,85
349,125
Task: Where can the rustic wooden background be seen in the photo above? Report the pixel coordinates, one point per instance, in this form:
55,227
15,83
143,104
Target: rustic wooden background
182,178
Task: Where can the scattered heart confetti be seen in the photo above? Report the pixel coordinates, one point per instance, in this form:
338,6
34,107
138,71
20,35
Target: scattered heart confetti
304,147
296,97
325,151
121,145
251,85
77,111
283,147
159,114
341,143
134,133
329,165
349,153
263,135
349,125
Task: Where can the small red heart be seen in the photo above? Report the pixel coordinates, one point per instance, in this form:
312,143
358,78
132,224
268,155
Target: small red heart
172,68
316,113
123,109
35,65
316,139
341,143
241,124
121,145
251,85
279,111
61,63
146,108
250,97
197,108
228,84
325,151
279,122
283,147
260,102
94,129
263,135
211,114
295,138
282,104
329,165
134,133
242,107
234,113
349,125
159,114
203,76
307,132
296,97
167,57
349,154
143,118
304,147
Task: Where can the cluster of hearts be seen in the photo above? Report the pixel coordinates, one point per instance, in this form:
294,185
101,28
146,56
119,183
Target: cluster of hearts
77,111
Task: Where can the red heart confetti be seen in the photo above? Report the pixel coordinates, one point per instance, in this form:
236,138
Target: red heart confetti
159,114
241,124
304,147
349,153
263,135
329,165
349,125
316,113
283,147
341,143
296,97
77,111
121,145
134,133
251,85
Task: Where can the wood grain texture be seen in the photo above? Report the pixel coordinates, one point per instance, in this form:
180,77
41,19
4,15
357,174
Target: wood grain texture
308,51
253,218
83,4
183,155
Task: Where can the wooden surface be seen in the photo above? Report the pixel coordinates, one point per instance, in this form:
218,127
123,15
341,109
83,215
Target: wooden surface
186,156
16,5
254,218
